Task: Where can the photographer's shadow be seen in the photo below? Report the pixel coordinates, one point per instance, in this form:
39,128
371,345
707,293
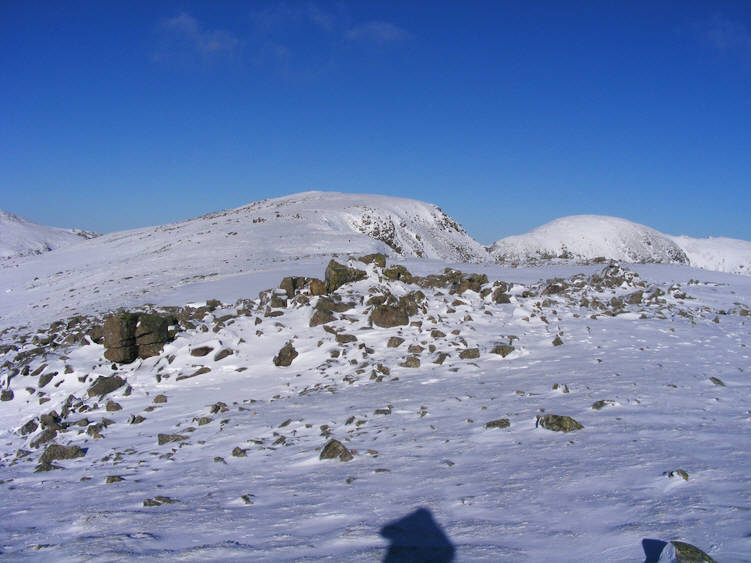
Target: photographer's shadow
417,537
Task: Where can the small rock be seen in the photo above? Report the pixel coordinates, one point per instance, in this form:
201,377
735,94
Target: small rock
113,479
105,384
470,354
335,449
717,381
345,338
201,351
160,399
597,405
411,362
678,473
166,438
239,452
394,342
502,350
557,341
221,354
6,395
112,406
558,423
499,423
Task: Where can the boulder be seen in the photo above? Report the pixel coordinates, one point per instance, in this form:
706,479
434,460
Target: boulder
56,451
128,336
338,274
502,350
285,356
335,449
674,552
105,384
398,273
119,335
378,258
167,438
386,316
152,333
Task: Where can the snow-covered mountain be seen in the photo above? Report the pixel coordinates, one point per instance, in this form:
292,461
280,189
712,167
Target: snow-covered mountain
19,237
719,254
588,237
136,265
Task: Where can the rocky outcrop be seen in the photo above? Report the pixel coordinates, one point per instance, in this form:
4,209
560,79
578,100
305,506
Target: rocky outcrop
128,336
338,274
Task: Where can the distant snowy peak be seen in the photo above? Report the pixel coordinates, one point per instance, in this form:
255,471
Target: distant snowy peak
19,237
717,253
352,222
588,237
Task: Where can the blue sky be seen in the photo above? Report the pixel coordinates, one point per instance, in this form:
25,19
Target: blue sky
505,114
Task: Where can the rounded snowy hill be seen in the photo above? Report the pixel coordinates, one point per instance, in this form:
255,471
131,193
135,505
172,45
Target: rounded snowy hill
295,233
19,237
588,237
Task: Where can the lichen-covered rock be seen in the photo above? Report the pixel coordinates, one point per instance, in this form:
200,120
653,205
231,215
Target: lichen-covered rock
411,362
602,403
321,317
338,274
119,335
378,258
499,423
470,282
502,350
105,384
285,356
335,449
558,423
56,451
201,351
167,438
152,333
386,316
470,354
398,273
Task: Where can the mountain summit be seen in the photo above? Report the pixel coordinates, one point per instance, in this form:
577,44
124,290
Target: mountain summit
588,237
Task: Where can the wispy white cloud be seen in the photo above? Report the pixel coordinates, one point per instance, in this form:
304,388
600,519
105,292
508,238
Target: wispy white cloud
377,32
282,14
184,31
726,35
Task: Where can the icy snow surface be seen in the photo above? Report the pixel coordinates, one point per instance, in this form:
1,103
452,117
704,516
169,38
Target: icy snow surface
521,493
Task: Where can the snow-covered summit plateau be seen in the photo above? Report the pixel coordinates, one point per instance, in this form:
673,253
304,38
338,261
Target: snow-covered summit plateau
19,237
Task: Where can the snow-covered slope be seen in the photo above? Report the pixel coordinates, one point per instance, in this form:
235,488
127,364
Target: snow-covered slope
131,266
453,417
587,237
19,237
717,253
